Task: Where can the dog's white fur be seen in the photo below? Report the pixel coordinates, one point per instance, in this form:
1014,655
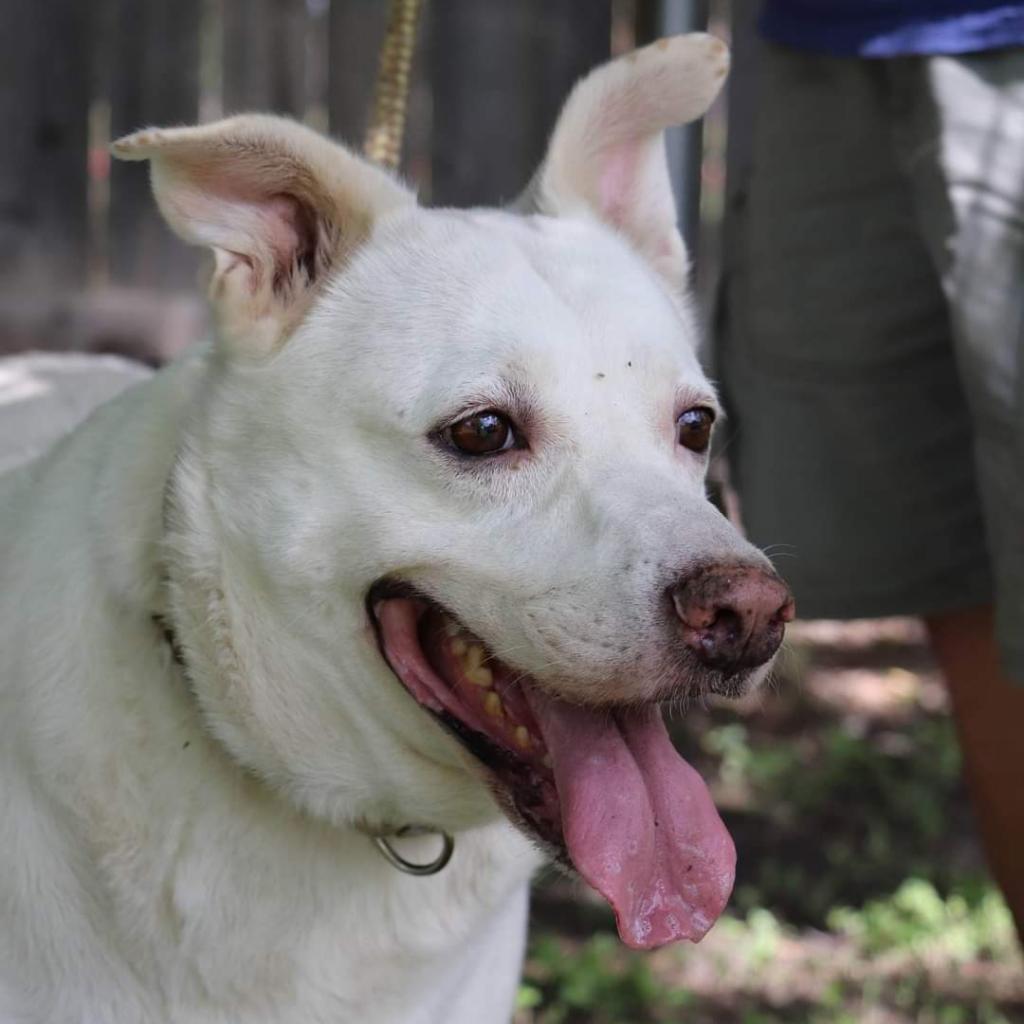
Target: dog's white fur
192,847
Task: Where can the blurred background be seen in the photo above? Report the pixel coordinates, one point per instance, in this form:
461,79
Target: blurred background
862,894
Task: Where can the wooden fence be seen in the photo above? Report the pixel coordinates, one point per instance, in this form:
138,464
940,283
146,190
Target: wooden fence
85,260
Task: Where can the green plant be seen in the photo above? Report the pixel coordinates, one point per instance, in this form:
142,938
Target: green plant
964,926
834,817
599,983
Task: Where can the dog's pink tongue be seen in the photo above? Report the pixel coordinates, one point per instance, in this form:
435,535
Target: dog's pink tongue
638,821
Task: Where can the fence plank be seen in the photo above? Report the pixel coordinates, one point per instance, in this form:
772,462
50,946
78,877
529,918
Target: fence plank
263,56
355,31
501,72
155,80
44,107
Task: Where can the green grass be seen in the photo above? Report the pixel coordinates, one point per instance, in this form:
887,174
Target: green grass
923,934
835,818
968,925
598,982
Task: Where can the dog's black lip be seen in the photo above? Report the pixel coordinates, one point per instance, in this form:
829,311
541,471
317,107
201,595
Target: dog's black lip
387,588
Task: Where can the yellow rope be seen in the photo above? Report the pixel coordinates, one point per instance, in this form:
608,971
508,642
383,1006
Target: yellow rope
383,142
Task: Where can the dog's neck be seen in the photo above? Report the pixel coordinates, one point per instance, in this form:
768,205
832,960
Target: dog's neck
391,840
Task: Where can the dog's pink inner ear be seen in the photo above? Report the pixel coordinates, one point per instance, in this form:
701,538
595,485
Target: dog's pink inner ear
280,237
633,194
614,162
617,182
292,236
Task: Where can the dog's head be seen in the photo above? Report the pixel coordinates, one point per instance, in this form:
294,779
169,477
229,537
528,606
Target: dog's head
438,536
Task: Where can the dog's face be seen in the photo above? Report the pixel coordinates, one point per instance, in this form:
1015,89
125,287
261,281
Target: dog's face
439,539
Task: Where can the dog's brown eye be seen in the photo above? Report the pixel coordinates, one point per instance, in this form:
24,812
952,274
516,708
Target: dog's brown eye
693,429
483,433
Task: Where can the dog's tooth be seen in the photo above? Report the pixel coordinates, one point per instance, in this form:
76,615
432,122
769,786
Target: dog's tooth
474,657
522,736
493,705
458,646
481,676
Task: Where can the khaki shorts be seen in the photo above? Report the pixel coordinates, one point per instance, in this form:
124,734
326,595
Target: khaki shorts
871,350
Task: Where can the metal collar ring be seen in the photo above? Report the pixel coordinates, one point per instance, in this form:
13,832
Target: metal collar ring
395,859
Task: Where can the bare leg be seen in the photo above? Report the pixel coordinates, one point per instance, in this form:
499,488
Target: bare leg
989,713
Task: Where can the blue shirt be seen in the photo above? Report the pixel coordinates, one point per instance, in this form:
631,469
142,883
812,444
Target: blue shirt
892,28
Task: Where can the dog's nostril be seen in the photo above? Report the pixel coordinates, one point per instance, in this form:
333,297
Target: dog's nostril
724,632
727,623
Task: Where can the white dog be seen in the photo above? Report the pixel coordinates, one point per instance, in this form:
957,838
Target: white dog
420,541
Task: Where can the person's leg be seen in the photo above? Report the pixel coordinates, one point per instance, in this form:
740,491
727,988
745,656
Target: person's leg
988,709
961,143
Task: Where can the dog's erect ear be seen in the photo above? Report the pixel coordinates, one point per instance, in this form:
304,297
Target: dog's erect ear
279,205
607,153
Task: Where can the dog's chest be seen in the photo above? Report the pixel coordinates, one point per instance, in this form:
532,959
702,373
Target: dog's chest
340,935
421,976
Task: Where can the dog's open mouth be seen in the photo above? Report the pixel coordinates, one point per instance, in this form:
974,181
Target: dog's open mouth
603,786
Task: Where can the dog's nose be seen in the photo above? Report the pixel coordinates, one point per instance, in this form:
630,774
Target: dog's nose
733,616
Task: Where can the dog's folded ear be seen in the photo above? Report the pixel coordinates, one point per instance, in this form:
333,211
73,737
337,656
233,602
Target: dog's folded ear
607,153
280,206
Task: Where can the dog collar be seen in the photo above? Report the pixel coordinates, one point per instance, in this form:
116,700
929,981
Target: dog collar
382,840
169,638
